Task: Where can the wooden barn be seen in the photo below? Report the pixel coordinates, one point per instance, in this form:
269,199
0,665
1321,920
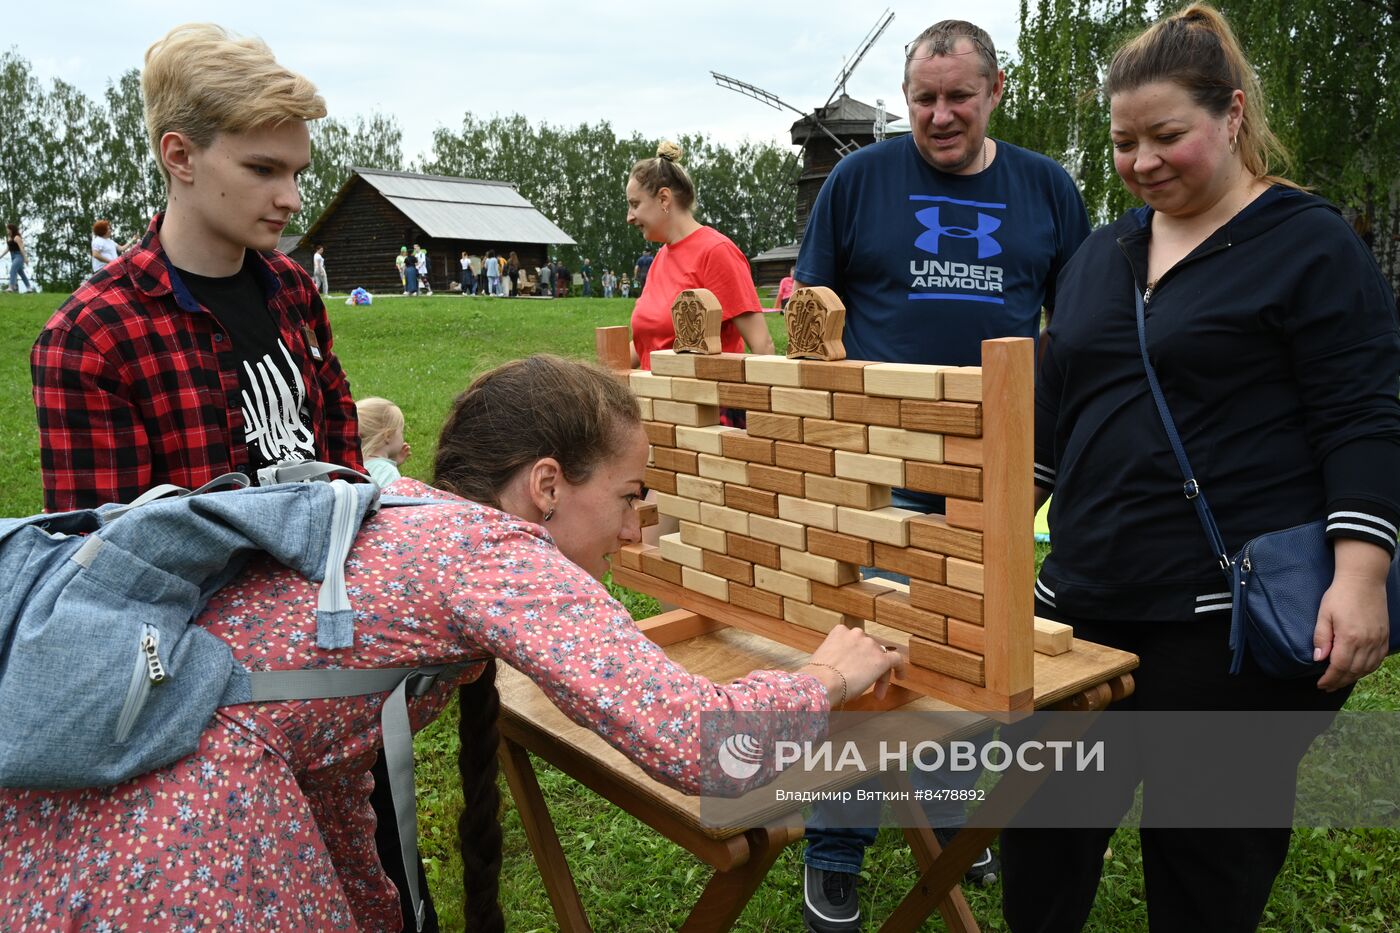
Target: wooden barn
375,212
846,118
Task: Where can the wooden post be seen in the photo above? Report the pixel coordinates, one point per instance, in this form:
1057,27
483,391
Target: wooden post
613,346
1008,421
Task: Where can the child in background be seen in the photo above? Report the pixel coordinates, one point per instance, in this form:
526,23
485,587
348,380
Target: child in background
381,438
420,258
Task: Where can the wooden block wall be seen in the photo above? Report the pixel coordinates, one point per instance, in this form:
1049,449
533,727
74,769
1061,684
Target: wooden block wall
779,518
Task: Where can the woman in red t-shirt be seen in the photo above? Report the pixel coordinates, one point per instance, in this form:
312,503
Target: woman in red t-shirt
660,196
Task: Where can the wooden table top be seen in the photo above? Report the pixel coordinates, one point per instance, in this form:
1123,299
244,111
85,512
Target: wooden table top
530,718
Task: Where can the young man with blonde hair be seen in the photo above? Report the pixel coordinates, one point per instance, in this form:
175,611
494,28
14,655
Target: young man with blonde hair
205,350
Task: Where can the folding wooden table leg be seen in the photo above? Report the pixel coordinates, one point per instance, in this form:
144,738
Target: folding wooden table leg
936,885
924,844
544,841
1010,794
728,892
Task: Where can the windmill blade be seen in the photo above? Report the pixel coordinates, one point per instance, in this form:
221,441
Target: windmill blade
757,93
777,103
870,39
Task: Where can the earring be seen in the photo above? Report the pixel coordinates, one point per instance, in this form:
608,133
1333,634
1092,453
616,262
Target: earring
550,514
1234,143
667,208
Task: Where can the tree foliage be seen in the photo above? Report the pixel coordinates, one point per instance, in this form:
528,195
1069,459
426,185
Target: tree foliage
1052,102
70,160
22,142
1326,67
576,176
73,187
135,188
336,148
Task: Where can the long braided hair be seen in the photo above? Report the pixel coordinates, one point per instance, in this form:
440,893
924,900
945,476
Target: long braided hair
506,420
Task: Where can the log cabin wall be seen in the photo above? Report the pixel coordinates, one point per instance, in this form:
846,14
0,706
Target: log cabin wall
363,231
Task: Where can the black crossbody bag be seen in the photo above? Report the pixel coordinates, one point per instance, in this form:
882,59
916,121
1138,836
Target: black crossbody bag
1277,579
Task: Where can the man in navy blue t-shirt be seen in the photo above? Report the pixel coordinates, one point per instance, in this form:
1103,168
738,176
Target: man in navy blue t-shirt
946,237
935,241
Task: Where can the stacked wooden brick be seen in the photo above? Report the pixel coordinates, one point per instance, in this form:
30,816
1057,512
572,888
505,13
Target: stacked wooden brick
779,518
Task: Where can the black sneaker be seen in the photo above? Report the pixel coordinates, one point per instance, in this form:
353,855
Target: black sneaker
985,867
829,901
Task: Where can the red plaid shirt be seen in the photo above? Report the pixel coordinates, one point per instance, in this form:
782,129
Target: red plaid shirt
136,384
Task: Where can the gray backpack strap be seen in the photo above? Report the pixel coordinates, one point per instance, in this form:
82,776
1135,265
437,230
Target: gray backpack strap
305,471
170,490
389,501
335,620
394,724
320,684
398,763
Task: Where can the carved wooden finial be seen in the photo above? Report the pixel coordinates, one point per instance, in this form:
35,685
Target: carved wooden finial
697,317
815,317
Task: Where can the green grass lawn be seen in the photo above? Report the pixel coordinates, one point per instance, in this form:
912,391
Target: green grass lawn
419,353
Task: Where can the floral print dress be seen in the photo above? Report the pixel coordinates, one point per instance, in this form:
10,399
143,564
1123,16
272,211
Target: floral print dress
267,825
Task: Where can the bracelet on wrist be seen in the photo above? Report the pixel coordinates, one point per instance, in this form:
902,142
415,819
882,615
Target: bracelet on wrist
837,671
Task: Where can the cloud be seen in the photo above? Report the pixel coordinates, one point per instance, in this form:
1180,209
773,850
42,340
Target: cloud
643,69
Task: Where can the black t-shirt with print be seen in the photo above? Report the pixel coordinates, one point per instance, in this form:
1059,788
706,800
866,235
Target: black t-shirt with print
276,418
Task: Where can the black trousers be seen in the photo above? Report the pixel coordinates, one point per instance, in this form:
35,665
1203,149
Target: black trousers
1196,879
386,841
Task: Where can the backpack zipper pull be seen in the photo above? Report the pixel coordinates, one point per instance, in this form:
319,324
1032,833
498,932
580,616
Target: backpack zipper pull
154,669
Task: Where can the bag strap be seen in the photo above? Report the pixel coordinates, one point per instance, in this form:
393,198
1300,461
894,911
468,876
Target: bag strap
335,620
1191,488
170,490
305,471
395,726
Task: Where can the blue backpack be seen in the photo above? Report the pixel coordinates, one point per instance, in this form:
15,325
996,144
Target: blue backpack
102,675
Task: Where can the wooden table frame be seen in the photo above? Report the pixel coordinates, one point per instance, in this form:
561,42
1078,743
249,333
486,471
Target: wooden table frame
741,860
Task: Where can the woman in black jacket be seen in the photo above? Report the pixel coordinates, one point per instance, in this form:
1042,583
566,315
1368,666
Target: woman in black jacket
1274,337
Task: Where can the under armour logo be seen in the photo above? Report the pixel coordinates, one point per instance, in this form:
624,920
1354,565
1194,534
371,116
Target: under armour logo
986,225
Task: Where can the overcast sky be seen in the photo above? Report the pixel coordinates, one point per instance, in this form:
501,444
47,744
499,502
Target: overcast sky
643,67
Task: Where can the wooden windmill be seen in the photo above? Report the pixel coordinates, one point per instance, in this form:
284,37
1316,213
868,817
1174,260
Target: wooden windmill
824,136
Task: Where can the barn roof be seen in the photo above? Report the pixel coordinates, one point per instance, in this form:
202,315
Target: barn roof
785,253
449,208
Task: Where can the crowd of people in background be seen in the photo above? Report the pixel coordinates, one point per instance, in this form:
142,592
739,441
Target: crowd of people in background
487,273
481,274
508,276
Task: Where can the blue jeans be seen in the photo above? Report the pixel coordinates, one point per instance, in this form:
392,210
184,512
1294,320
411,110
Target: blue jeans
832,848
843,849
17,272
